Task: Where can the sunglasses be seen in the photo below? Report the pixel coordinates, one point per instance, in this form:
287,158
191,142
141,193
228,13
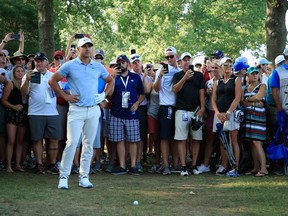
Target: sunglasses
135,57
2,55
264,64
20,59
171,57
215,57
58,57
98,57
228,65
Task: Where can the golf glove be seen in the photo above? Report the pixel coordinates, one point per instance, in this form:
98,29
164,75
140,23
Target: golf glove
99,97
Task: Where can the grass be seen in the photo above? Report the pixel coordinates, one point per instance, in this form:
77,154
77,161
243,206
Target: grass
207,194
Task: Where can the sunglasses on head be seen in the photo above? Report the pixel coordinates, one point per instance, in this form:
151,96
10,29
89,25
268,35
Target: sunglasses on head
135,57
20,59
171,57
227,65
58,57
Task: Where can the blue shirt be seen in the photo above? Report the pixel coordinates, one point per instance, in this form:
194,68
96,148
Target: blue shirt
135,87
275,80
83,79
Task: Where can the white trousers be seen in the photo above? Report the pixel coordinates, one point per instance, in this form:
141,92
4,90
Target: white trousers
85,121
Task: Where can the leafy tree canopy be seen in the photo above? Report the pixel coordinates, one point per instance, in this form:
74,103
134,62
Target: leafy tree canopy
149,26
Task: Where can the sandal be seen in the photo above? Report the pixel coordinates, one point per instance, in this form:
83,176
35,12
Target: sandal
251,172
261,174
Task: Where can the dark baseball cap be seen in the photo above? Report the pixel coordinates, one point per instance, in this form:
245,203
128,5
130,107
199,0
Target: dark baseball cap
41,56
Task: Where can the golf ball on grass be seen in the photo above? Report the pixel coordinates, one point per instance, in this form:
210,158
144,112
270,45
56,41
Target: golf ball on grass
135,203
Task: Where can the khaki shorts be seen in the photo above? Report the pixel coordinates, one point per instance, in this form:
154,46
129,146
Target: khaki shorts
182,127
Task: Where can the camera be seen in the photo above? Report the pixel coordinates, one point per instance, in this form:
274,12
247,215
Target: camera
165,67
15,36
78,36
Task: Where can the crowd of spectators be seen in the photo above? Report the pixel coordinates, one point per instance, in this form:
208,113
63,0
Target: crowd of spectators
166,112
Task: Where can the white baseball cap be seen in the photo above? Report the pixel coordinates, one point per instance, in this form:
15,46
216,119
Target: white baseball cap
185,54
171,49
224,59
83,41
263,61
279,59
135,57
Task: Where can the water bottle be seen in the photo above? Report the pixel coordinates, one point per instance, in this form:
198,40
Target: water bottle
133,112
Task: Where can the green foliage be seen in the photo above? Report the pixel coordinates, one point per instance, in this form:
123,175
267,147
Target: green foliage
16,16
149,26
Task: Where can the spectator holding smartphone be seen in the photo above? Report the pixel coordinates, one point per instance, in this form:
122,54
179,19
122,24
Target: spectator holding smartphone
166,115
42,113
188,85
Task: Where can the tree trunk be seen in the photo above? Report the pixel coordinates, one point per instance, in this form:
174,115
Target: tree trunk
46,27
276,33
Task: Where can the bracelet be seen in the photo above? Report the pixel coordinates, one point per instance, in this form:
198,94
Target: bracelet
228,112
3,41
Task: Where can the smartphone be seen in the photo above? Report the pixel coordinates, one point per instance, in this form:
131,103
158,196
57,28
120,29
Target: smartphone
78,36
165,67
191,67
118,66
73,47
148,66
36,77
133,51
15,36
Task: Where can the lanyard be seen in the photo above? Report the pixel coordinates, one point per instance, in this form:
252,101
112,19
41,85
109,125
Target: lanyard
125,83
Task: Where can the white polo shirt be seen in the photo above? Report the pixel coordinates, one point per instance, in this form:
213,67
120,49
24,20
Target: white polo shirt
41,100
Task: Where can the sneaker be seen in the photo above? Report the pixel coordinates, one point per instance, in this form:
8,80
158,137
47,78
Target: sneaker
119,171
40,169
75,169
154,169
160,169
134,171
176,170
221,171
196,171
84,182
184,172
109,168
233,173
203,168
98,166
52,169
139,167
166,171
63,183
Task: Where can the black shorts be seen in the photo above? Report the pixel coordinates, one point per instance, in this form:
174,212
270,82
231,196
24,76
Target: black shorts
142,112
167,122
